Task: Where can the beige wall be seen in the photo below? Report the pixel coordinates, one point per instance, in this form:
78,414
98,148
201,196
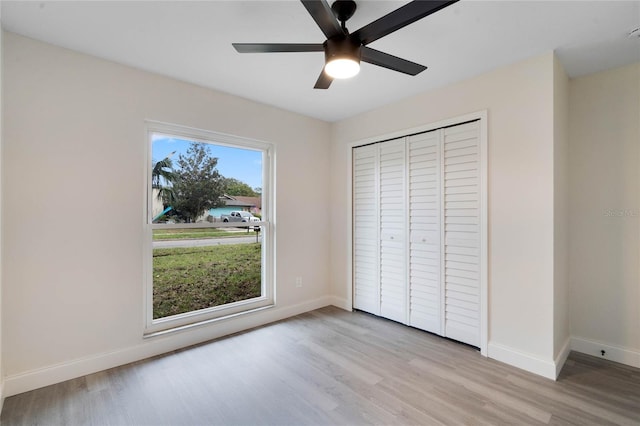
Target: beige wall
561,329
73,207
562,154
1,239
605,212
519,99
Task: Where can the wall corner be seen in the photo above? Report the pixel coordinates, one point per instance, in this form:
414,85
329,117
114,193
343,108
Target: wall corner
561,327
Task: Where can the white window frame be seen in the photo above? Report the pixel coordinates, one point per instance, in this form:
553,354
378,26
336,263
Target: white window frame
160,326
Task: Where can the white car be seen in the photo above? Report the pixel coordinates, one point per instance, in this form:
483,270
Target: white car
239,216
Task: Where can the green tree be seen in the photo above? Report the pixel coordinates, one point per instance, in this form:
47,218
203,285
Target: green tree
199,185
234,186
163,178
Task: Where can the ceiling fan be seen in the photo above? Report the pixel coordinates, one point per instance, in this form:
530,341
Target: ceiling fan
343,50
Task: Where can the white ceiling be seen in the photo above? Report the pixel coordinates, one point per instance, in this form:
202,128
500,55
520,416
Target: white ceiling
191,41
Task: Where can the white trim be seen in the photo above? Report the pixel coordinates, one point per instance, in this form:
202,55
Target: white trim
484,274
196,318
350,230
562,356
152,327
615,353
478,115
190,325
484,233
202,135
147,234
525,361
201,225
34,379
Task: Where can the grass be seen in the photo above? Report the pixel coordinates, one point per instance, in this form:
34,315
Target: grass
182,234
194,278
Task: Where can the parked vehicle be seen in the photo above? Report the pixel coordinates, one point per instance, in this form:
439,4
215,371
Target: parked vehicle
239,216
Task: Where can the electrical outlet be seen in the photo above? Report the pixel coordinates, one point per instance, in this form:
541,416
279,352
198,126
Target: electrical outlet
298,281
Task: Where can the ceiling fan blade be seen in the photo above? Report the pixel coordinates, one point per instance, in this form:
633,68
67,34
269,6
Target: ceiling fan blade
399,18
277,47
324,81
321,12
391,62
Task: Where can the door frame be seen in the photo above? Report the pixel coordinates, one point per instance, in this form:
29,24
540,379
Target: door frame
482,117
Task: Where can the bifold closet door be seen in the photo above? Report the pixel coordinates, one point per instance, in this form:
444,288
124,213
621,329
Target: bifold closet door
393,276
425,283
461,250
366,260
379,233
417,230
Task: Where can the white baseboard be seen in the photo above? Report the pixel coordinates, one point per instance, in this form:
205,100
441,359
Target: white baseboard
612,353
34,379
341,303
529,362
562,356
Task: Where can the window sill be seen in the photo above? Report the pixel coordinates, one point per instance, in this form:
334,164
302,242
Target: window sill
179,328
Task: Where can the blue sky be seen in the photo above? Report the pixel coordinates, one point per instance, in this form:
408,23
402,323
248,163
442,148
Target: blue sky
238,163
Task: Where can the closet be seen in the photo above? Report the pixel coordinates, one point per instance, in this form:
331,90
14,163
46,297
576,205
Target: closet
417,230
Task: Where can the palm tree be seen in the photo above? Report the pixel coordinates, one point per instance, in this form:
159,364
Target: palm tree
163,177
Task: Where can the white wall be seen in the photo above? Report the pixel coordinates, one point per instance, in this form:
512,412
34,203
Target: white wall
605,213
561,331
73,208
520,103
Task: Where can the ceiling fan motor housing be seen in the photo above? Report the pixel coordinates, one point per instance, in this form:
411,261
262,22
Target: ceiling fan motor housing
342,48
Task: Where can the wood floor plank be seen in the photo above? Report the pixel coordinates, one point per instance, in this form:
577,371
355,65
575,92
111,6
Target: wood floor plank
332,367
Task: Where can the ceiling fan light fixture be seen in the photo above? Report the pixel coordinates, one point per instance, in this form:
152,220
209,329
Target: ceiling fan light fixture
342,67
342,57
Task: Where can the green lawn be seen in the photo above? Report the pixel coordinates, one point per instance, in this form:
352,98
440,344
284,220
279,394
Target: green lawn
189,279
181,234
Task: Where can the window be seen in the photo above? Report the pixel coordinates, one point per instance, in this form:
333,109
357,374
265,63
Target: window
208,226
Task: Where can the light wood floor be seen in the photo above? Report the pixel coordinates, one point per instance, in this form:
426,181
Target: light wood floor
331,367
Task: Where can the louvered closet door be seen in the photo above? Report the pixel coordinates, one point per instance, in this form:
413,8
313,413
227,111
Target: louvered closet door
424,232
462,232
365,229
393,280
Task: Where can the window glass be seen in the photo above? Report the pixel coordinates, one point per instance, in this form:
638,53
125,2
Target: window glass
208,227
